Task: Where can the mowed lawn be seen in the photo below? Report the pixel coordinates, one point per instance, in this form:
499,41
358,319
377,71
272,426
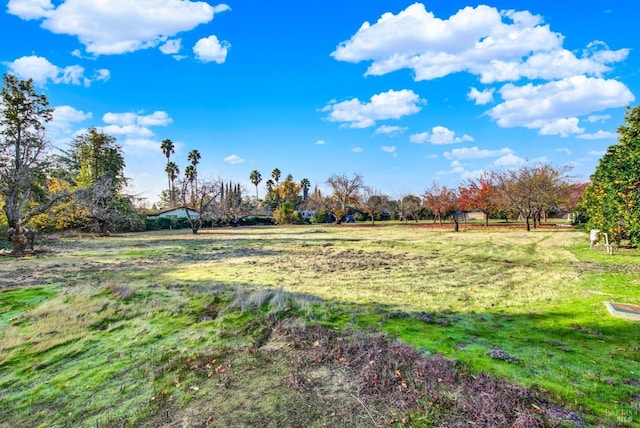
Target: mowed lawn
85,322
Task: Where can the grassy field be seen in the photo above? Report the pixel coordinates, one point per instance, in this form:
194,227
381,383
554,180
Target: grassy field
169,328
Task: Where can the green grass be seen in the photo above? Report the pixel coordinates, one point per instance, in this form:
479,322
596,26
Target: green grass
99,332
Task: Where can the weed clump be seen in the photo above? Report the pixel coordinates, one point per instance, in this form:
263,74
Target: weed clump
499,354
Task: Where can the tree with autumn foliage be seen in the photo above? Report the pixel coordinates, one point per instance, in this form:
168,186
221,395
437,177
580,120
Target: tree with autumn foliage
443,202
611,200
480,194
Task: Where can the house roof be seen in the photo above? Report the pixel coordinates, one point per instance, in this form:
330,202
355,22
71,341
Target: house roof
167,210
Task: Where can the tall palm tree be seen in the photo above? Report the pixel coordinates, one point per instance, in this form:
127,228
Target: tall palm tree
168,149
255,178
172,171
194,158
305,184
276,175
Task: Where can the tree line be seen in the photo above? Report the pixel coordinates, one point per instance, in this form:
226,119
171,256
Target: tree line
84,187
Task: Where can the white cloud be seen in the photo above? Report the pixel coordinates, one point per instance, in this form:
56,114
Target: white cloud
135,130
128,130
210,49
389,149
495,45
600,135
30,9
553,107
481,98
598,118
564,150
320,142
357,149
439,135
598,153
102,75
171,46
65,116
118,26
508,161
476,153
142,147
390,131
120,119
386,105
234,159
42,71
157,118
420,138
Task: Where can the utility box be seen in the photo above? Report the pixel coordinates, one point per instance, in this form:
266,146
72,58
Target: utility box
594,236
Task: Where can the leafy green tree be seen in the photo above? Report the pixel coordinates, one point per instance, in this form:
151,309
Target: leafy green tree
611,200
98,166
23,156
255,177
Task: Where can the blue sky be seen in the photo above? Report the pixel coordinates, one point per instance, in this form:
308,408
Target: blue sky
406,94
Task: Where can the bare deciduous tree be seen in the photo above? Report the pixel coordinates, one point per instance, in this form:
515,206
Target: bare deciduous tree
346,193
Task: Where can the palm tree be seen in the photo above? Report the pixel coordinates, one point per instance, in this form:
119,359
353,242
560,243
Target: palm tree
172,171
255,178
276,175
269,185
305,184
168,148
194,158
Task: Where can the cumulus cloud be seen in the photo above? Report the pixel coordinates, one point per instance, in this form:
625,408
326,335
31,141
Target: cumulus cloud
134,128
553,107
357,149
481,97
234,159
505,46
42,71
210,49
321,142
386,105
65,116
439,135
157,118
476,153
390,131
495,45
117,26
508,161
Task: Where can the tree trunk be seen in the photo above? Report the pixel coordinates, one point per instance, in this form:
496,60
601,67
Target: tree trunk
486,219
527,222
18,240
